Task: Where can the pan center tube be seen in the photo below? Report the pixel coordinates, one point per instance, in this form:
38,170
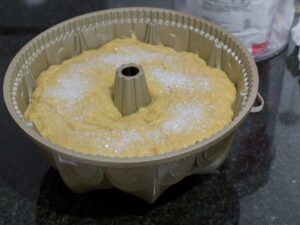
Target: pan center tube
130,90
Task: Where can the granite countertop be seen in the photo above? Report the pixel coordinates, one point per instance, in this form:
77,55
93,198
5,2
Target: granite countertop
259,184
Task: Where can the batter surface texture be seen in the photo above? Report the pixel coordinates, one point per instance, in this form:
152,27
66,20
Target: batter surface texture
73,107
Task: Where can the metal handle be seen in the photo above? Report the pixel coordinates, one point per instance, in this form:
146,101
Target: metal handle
258,108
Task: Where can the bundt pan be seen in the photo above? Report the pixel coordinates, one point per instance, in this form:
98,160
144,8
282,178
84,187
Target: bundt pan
144,177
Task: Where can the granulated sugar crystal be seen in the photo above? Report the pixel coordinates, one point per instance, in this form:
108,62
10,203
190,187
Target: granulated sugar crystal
71,87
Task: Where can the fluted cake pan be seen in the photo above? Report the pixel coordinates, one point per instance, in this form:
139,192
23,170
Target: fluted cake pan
144,177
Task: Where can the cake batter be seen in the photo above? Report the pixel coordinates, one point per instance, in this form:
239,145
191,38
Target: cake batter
72,105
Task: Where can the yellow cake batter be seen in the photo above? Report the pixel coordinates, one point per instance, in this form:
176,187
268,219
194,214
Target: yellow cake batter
72,105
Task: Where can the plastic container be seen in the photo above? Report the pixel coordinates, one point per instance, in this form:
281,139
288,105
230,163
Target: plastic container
261,25
144,177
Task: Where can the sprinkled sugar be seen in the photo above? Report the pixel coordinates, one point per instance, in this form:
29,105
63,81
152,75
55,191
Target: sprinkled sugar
82,68
116,140
71,88
136,55
170,79
179,80
111,140
126,138
155,135
184,117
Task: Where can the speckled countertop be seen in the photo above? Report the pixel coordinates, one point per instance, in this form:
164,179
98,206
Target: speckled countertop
259,184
